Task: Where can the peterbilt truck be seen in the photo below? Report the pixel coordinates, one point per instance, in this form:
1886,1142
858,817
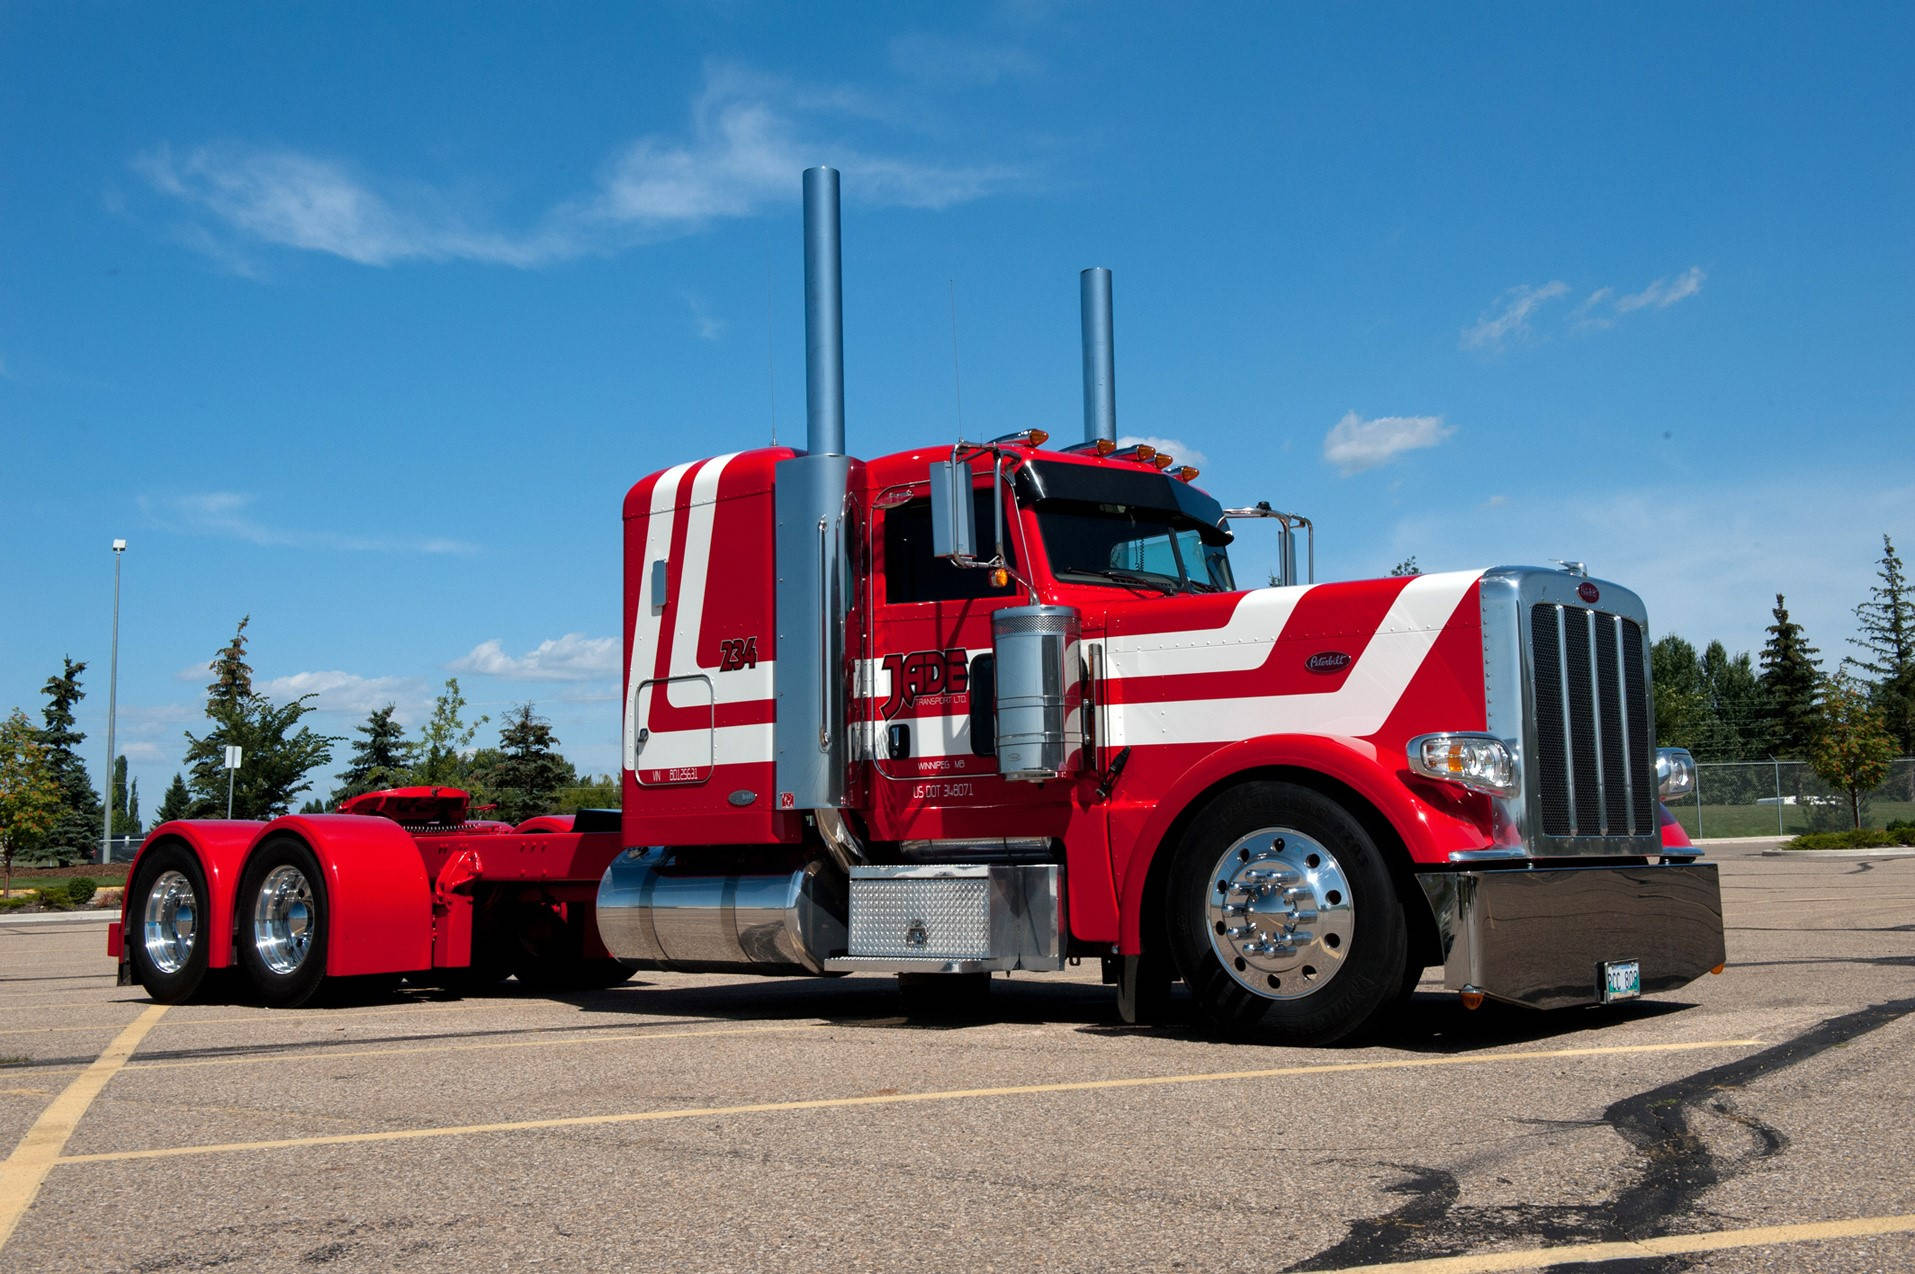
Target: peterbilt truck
1001,705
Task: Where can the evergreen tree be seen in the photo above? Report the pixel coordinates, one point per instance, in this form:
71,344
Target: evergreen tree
126,801
443,741
1887,641
1791,678
76,825
177,803
279,753
1735,699
525,779
29,794
1681,707
1407,566
382,758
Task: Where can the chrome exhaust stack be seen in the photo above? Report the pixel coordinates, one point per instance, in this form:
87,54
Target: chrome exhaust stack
1100,355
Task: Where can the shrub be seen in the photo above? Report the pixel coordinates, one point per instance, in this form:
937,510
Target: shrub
1857,838
27,898
80,890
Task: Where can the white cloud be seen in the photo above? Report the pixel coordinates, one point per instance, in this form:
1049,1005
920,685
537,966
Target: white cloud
1508,320
229,514
1355,444
707,325
349,692
1178,450
1664,293
749,137
573,657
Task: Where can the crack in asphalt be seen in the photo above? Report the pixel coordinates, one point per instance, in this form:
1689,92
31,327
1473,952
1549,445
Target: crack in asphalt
1676,1168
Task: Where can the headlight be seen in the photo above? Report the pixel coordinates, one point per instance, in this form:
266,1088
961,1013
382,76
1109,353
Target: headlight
1479,762
1675,773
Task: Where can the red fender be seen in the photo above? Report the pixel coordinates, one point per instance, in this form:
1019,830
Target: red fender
1429,830
376,886
220,845
546,823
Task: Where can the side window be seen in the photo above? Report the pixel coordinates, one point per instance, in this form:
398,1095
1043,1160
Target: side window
913,574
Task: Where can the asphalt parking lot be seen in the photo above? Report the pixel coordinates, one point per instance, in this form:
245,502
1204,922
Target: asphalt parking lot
1759,1120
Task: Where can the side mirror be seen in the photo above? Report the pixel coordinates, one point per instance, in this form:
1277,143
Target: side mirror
953,521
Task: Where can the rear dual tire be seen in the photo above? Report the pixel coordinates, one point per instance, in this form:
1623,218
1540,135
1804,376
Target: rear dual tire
167,932
284,918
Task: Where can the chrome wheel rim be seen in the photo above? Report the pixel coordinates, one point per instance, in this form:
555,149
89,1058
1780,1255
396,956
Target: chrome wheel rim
1281,916
169,923
283,917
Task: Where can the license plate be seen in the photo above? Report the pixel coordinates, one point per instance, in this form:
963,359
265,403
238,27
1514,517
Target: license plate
1621,980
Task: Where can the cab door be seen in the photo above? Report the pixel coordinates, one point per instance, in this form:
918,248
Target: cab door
928,621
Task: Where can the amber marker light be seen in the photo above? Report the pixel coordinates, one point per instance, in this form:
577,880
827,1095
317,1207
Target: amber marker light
1038,437
1719,968
1471,999
1186,472
1000,577
1163,460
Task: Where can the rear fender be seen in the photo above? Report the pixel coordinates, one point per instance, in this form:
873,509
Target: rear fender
1430,831
221,846
379,898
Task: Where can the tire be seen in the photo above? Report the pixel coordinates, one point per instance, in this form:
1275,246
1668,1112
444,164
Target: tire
284,918
1283,918
546,951
168,932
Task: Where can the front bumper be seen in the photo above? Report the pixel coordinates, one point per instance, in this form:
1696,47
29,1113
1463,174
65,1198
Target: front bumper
1541,936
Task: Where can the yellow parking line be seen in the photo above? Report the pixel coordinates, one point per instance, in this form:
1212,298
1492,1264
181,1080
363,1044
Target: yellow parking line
332,1054
26,1168
892,1099
184,1019
1667,1245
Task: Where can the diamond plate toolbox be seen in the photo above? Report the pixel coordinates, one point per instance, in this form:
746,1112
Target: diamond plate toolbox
921,917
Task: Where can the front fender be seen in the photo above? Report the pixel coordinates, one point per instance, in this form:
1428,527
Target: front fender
1429,830
379,897
221,846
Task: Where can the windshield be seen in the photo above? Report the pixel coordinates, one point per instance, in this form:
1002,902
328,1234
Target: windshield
1124,544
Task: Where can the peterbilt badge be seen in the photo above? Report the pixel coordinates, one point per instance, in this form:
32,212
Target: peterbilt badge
1588,592
1327,661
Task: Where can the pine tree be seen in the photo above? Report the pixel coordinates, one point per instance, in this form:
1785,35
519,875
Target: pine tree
1887,640
1407,566
525,779
383,758
1791,679
76,826
278,755
177,803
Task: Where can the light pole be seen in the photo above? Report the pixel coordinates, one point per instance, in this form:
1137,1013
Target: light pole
112,705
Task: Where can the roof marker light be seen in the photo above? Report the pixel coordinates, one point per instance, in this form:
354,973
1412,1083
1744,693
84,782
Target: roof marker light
1142,453
1185,472
1163,460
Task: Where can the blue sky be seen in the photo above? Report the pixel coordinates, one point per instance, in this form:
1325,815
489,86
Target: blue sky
360,319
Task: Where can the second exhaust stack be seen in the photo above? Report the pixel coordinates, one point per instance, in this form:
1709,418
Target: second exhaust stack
1100,357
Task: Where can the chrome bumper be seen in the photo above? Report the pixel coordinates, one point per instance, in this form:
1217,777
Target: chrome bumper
1541,936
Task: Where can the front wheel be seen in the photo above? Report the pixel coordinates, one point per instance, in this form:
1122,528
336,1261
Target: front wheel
284,917
167,926
1284,921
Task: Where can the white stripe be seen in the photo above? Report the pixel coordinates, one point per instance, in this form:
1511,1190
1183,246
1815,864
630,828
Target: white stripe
1239,646
649,617
1358,707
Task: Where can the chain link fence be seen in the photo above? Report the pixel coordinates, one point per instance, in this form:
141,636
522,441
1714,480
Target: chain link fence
1786,798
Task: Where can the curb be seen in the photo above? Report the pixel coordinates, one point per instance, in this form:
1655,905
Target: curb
56,917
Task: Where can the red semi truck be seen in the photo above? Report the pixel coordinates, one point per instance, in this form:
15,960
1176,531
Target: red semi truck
1002,706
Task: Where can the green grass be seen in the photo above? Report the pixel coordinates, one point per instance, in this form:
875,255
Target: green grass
1797,820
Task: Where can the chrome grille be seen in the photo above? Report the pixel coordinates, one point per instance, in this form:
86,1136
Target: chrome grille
1592,747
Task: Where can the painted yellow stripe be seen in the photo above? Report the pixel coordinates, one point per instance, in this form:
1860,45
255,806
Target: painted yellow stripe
27,1167
184,1018
335,1054
892,1099
1667,1245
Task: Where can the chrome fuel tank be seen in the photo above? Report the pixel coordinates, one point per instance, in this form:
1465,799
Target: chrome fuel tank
657,910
